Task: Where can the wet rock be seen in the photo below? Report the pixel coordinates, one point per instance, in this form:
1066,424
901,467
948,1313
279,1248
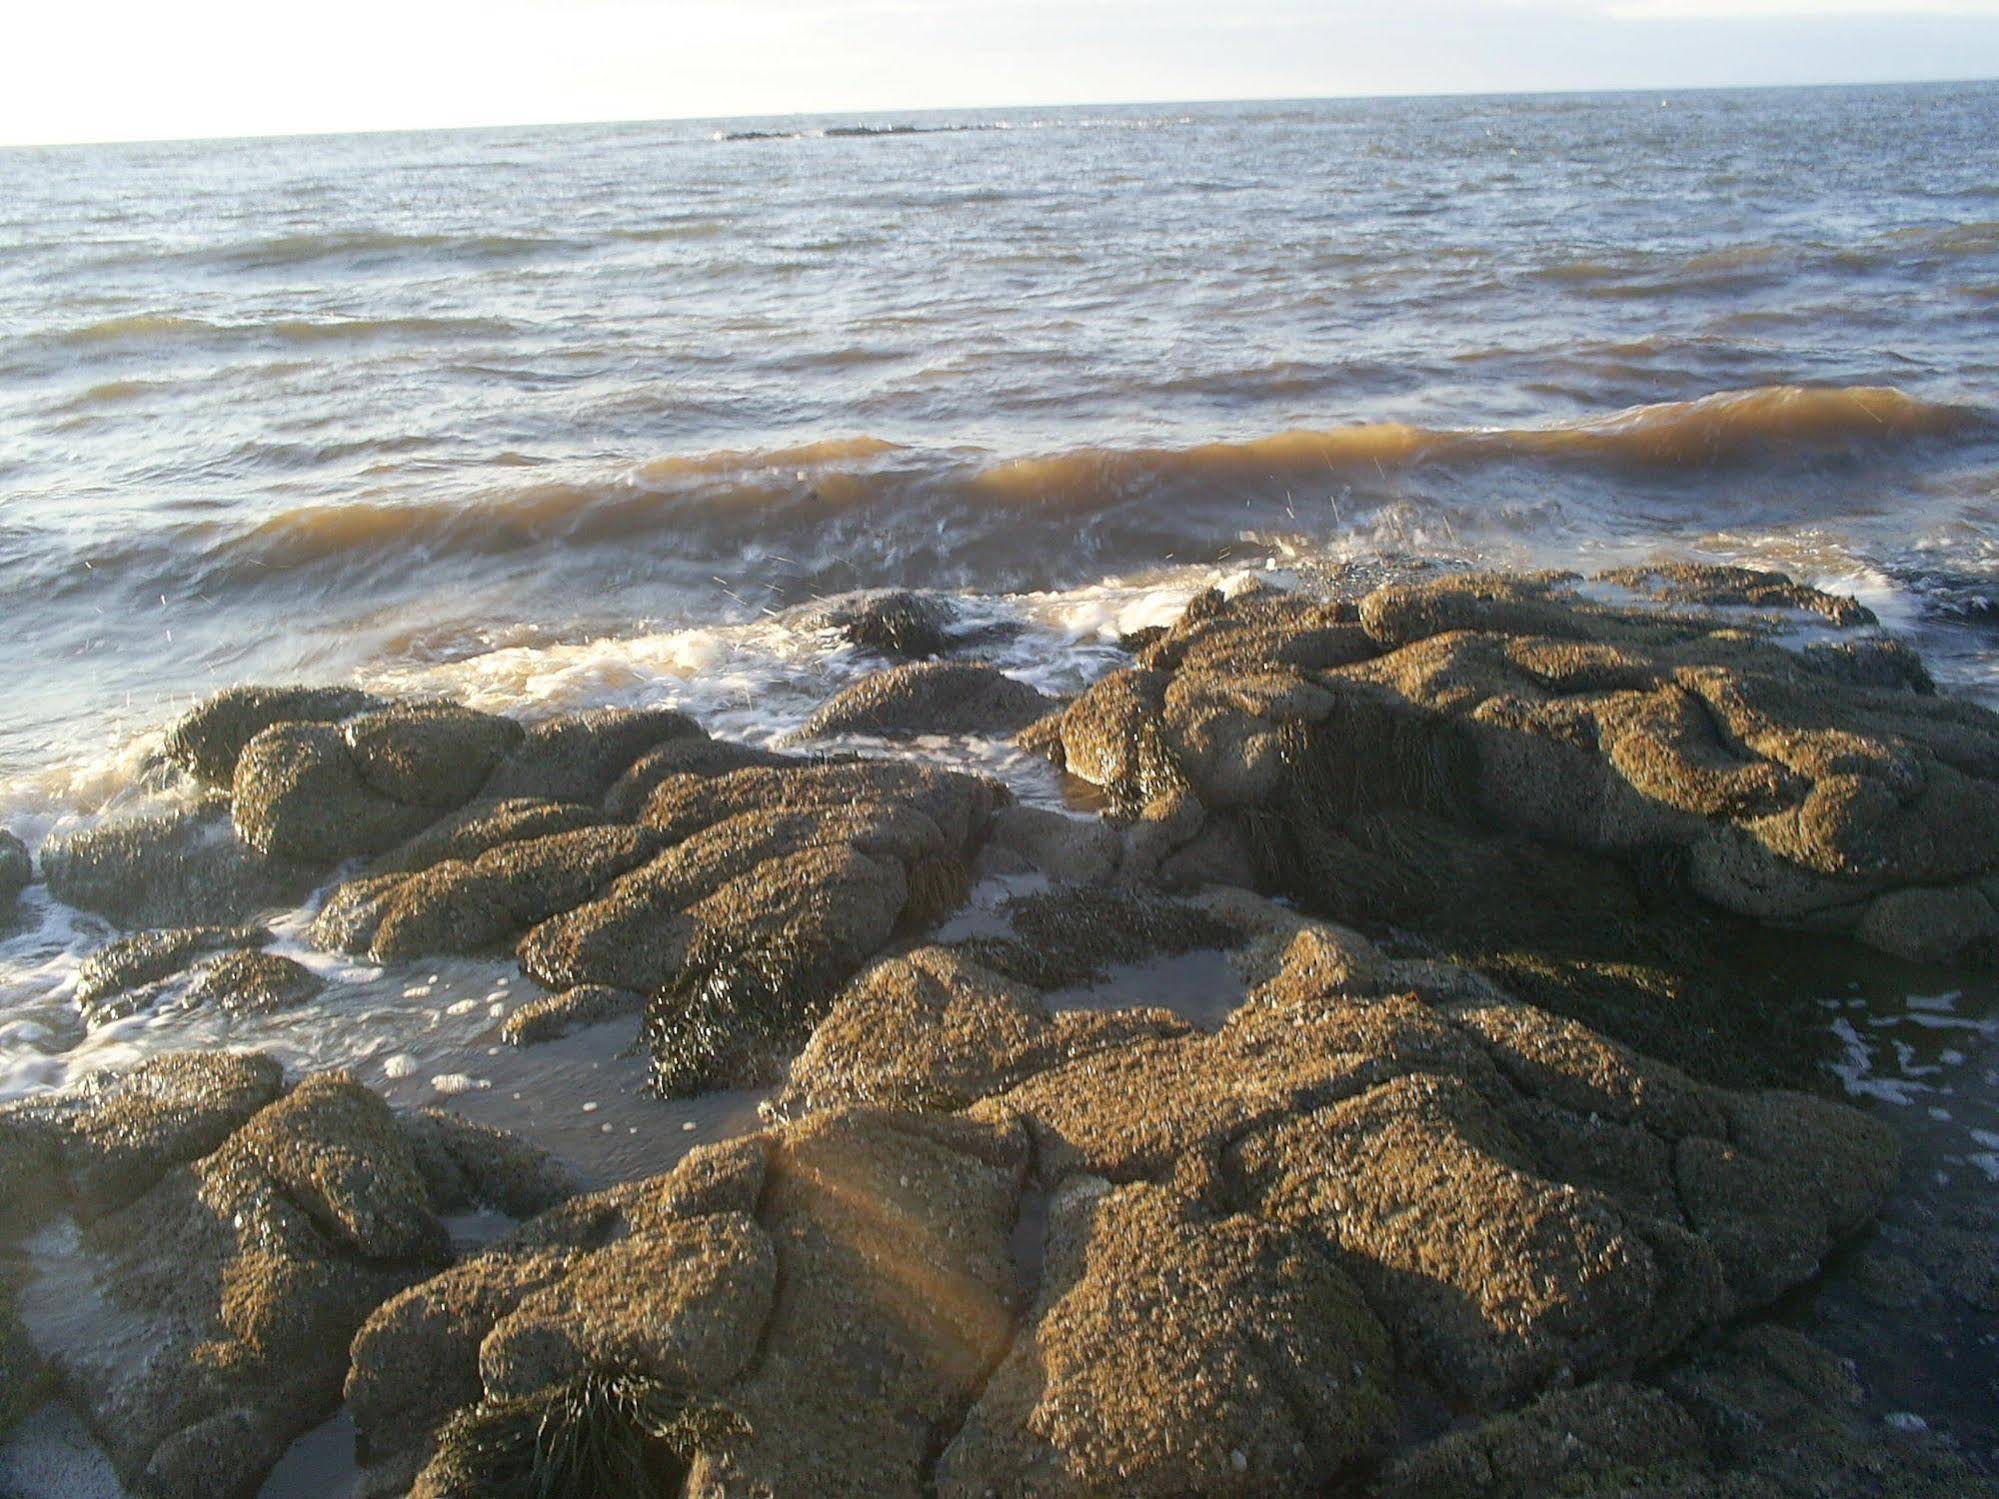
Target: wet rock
208,739
1609,1437
961,806
580,756
430,754
16,869
637,935
1932,925
416,1360
251,1269
481,826
763,954
236,1236
299,795
472,906
97,1145
842,1287
1766,1413
126,969
1870,662
172,869
555,1015
900,625
24,1377
1628,734
250,982
1709,586
1172,1352
319,793
1071,850
1383,1189
1072,936
466,1166
930,697
686,757
1282,629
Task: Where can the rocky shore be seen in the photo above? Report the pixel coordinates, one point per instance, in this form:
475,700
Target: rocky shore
1472,1148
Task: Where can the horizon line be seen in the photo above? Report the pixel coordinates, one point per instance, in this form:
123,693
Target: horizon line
941,109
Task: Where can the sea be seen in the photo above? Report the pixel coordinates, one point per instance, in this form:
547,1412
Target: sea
556,417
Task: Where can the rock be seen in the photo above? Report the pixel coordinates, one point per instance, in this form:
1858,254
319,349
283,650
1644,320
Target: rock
930,697
97,1145
932,1029
1503,1186
1709,586
416,1359
320,793
480,827
208,739
1070,850
1273,1256
900,625
466,1166
684,1306
24,1377
960,805
1626,733
580,756
1609,1437
237,1236
300,795
126,970
1145,1301
841,1289
1931,925
430,754
1766,1413
763,954
895,1295
470,907
1287,631
1494,1277
1071,936
555,1015
686,757
775,885
1871,662
16,868
247,981
252,1268
168,870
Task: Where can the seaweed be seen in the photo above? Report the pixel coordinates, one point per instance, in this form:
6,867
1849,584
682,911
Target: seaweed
737,1008
610,1431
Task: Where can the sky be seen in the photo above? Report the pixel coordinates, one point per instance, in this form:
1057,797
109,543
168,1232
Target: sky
92,70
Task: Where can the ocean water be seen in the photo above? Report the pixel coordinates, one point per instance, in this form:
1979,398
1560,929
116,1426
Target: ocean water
375,405
552,418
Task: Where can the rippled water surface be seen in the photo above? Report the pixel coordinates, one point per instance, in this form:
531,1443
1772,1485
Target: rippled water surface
323,406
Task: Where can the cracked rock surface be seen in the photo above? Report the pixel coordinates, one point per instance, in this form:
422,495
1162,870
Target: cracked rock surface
1642,714
1030,1253
230,1236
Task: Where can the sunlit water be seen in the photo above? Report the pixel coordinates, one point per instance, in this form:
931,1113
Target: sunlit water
546,419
